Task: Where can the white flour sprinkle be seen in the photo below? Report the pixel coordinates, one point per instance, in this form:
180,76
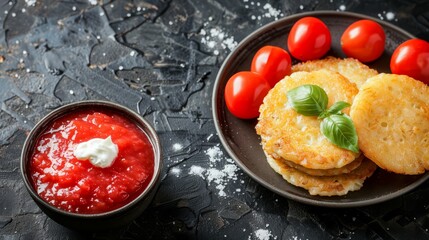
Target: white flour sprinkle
342,8
176,171
390,16
263,234
177,147
30,2
93,2
215,154
197,170
215,177
272,12
216,39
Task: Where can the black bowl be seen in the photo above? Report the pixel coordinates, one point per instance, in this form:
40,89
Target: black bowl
101,221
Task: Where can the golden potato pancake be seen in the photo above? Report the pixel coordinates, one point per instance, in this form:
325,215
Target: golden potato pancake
350,68
391,116
297,138
324,185
325,172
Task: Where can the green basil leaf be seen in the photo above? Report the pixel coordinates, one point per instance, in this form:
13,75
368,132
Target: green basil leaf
340,130
334,109
337,107
308,100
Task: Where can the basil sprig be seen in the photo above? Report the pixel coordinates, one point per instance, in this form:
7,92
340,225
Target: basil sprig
308,100
338,128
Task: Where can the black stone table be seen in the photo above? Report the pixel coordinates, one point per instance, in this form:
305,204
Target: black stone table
160,58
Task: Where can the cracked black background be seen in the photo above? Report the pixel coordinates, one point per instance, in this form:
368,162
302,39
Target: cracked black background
151,56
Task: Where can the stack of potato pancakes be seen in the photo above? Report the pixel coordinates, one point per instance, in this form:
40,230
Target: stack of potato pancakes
390,113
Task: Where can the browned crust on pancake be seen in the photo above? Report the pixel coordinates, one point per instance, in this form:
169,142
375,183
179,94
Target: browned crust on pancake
391,116
297,138
328,185
350,68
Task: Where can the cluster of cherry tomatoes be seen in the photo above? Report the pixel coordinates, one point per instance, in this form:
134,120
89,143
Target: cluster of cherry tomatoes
310,39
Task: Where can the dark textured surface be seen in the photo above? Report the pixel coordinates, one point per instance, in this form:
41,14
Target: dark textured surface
161,58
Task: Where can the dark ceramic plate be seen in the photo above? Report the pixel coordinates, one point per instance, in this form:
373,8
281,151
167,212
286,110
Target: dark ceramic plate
243,144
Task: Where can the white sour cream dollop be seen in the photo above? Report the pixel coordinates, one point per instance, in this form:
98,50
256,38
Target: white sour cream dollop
100,152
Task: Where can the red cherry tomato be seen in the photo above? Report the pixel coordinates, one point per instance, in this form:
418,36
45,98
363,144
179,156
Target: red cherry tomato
273,63
412,58
309,39
244,93
363,40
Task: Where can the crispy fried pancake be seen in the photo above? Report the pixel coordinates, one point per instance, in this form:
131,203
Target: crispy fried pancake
297,138
325,172
391,116
327,185
350,68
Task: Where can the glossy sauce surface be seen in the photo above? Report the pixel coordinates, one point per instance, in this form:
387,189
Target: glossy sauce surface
78,186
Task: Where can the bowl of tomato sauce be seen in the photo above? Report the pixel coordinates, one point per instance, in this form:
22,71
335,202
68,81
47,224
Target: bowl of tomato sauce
92,165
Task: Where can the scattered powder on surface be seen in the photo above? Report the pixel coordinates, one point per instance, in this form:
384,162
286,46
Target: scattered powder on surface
197,170
390,16
215,155
176,171
218,177
217,39
177,147
263,234
272,12
221,177
93,2
30,2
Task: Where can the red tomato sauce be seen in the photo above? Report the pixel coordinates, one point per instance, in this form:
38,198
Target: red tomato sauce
78,186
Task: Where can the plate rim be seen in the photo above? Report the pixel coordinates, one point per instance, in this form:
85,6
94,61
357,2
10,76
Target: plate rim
225,144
